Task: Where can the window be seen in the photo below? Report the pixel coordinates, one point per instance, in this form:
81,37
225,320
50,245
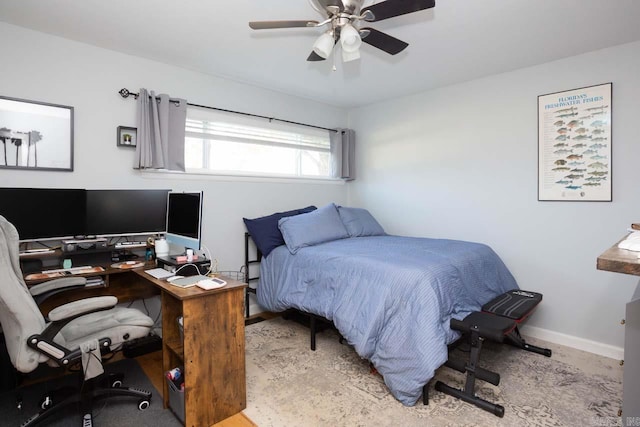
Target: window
221,142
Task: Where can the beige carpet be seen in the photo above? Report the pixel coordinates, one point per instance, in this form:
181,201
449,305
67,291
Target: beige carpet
290,385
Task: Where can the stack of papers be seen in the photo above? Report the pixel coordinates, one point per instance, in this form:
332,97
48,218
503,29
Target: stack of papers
631,243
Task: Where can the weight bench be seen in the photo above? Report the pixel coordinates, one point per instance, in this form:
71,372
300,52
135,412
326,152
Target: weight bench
498,321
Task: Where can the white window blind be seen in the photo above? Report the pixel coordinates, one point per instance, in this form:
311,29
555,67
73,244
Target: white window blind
227,143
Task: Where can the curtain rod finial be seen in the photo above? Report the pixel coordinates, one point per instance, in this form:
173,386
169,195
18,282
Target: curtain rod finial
125,93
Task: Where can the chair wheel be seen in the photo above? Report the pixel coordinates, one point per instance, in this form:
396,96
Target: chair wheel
116,383
46,403
143,404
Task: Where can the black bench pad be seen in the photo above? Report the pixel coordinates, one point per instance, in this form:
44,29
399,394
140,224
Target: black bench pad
516,304
485,324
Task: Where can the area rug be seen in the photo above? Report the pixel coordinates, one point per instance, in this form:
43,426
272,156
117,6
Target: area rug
120,411
290,385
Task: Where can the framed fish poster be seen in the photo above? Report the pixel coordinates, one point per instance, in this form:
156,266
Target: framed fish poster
574,145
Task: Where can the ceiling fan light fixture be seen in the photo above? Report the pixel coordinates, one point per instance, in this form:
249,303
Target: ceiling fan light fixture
350,56
350,38
345,18
324,45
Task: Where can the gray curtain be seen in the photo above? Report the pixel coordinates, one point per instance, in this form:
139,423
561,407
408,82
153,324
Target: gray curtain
161,127
343,149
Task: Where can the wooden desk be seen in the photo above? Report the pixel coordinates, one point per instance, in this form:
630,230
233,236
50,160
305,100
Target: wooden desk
212,351
627,262
123,284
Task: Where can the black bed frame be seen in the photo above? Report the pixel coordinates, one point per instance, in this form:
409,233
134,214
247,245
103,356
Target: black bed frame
248,279
316,323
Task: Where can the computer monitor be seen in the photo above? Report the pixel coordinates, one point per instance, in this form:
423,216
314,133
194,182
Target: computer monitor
184,219
44,213
126,212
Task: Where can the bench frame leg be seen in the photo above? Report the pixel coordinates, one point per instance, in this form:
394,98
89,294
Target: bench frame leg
472,369
515,339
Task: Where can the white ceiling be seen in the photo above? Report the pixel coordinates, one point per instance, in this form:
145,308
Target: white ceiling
458,40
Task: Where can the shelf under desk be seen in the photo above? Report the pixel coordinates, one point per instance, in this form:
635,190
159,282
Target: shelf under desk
211,349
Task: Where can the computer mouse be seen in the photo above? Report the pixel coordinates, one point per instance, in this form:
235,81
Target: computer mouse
172,278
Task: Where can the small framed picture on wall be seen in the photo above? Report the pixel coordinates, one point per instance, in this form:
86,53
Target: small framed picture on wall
127,136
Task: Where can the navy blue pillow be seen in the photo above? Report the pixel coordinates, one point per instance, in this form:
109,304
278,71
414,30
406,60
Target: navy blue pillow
265,232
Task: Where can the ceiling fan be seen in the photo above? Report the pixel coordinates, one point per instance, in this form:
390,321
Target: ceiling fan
344,18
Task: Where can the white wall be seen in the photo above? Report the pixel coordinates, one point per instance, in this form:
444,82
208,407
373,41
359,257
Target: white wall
461,162
51,69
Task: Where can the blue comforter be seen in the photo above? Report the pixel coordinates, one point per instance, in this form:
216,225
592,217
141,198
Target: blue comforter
391,297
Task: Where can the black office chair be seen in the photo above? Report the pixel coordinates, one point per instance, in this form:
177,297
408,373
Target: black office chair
58,341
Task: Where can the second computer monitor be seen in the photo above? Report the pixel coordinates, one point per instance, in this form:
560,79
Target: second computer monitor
184,219
126,212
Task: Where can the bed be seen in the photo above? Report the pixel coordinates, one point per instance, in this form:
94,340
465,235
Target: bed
391,297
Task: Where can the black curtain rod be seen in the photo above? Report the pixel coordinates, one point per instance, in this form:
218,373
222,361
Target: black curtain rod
125,93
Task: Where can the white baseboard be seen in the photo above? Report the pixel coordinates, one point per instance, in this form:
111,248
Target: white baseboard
601,349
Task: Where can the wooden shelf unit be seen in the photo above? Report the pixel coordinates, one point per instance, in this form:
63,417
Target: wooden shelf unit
211,352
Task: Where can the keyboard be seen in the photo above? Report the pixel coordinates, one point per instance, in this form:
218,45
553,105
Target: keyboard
121,245
159,273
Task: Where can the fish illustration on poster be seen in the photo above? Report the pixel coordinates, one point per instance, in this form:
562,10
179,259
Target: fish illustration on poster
574,144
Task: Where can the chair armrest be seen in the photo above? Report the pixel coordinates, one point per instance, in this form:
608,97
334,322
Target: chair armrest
81,307
61,316
56,284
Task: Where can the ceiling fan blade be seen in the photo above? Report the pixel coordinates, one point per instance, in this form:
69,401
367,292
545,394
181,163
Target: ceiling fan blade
270,25
313,57
391,8
383,41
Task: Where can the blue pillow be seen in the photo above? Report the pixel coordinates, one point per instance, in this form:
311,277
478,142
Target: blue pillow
319,226
264,230
359,222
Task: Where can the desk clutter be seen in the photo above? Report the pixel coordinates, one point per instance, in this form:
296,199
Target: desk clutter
127,264
632,241
201,281
94,281
175,382
62,272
